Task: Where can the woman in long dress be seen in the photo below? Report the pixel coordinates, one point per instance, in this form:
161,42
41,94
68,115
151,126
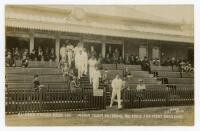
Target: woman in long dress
96,77
92,62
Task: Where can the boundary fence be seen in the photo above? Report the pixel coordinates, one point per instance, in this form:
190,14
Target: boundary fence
59,100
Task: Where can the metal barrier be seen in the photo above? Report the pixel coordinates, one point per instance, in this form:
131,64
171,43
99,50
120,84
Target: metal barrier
55,100
52,100
158,97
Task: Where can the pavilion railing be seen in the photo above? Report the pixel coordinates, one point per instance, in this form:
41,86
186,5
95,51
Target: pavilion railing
52,100
158,97
59,100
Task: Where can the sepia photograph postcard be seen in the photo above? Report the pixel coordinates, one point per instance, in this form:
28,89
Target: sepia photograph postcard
99,65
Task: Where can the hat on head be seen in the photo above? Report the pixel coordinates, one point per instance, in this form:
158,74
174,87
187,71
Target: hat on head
140,80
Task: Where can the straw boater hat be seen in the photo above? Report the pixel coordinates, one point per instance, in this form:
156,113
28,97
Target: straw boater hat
140,80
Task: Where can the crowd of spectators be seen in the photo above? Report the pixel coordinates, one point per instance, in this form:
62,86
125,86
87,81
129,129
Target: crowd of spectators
23,55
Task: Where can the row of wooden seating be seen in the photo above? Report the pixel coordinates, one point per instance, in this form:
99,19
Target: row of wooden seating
39,71
121,67
39,64
29,78
175,74
180,80
164,68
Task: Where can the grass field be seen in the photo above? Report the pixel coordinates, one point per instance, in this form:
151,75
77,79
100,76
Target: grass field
163,116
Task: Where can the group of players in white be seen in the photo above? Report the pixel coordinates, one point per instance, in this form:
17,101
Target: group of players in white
79,57
82,62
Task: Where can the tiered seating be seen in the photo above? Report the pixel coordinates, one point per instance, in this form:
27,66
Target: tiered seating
174,78
39,64
49,75
136,73
163,68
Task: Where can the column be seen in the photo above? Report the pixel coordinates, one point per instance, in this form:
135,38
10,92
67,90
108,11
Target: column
123,50
31,46
57,49
103,50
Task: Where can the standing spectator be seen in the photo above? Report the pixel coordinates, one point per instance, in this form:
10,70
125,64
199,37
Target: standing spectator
116,91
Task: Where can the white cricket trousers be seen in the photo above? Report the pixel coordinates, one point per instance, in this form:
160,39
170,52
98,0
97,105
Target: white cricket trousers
116,92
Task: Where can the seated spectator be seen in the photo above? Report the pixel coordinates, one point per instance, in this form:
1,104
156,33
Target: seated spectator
26,53
52,55
182,66
173,62
9,59
145,64
25,61
126,73
100,61
137,60
166,62
65,69
127,60
156,62
33,55
107,60
16,54
40,56
74,84
188,68
114,59
120,60
132,62
36,83
46,54
141,85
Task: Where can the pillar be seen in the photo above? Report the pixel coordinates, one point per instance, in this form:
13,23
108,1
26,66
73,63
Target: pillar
103,50
123,50
31,46
57,49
